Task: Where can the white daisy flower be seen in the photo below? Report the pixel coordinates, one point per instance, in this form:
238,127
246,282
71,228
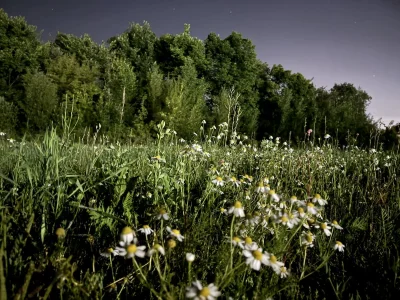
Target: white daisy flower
254,258
274,263
307,239
197,147
218,181
293,219
108,252
162,213
248,244
198,292
248,178
336,225
318,198
293,200
301,212
261,188
284,220
234,181
311,209
274,195
236,241
223,211
157,248
325,228
128,236
146,230
131,251
190,257
175,233
237,210
339,246
282,272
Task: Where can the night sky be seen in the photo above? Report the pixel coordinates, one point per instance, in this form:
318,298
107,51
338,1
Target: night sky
334,41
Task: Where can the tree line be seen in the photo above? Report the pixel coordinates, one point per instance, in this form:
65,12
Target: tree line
137,79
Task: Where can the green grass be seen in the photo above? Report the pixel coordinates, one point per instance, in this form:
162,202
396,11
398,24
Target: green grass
94,190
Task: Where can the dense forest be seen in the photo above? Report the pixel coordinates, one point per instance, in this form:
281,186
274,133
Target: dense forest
137,79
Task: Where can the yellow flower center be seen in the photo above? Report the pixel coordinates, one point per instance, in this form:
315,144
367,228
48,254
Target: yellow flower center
261,184
273,259
176,231
284,219
310,221
222,209
283,269
257,255
293,198
219,178
233,178
60,232
339,243
248,240
335,222
131,249
323,225
309,237
300,210
146,226
317,196
238,204
157,157
309,204
171,243
162,211
110,250
126,230
236,239
271,192
205,292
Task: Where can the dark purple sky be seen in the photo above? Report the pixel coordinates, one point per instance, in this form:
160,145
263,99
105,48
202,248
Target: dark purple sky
334,41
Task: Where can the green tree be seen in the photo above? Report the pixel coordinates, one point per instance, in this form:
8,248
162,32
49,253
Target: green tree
19,43
136,46
345,108
78,82
171,52
232,62
83,48
120,92
8,116
41,102
155,91
287,102
184,106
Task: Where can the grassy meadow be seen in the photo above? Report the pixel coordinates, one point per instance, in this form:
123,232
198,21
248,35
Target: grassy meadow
219,216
